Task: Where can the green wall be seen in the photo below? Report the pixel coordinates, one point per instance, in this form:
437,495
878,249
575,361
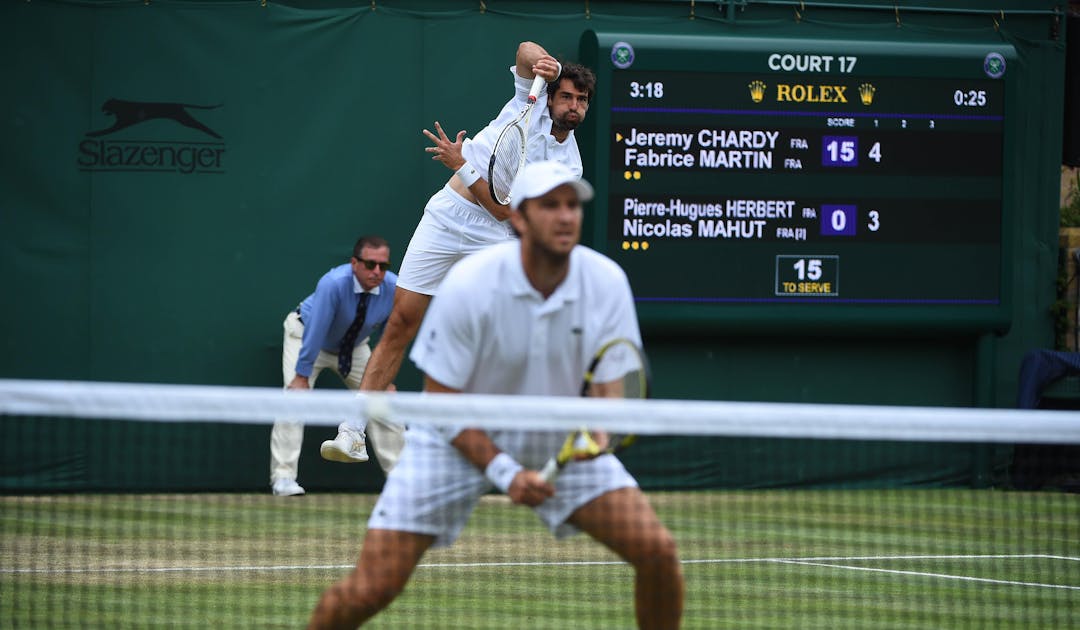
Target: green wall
185,277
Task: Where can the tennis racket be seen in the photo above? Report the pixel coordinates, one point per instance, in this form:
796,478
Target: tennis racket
508,155
618,370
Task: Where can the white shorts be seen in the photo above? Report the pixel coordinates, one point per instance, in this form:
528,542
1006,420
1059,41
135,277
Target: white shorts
433,490
450,229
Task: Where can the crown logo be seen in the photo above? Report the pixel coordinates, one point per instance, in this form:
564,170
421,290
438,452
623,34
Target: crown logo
757,91
866,93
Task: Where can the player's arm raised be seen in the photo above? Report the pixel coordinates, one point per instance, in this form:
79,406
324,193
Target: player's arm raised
521,485
533,60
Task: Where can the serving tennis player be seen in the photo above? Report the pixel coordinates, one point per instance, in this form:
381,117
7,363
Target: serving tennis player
521,317
464,216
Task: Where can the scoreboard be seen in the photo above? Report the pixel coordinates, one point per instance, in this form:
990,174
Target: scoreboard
802,183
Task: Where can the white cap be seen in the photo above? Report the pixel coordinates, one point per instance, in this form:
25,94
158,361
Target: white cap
539,178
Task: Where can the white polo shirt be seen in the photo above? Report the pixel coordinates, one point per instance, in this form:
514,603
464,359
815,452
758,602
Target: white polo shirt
540,144
489,331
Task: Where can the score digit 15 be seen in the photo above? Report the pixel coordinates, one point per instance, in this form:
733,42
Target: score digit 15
843,151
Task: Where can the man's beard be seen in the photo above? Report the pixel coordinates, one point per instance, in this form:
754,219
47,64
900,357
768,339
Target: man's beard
562,123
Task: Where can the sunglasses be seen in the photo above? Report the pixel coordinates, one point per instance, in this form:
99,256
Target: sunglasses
371,264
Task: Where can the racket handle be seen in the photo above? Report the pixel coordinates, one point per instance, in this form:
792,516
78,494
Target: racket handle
538,84
550,469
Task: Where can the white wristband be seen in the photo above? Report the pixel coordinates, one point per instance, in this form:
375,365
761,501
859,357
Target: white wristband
501,471
468,175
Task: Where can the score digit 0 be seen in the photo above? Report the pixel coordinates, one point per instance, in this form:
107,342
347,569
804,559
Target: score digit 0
838,220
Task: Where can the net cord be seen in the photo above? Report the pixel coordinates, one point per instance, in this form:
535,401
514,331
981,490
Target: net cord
255,405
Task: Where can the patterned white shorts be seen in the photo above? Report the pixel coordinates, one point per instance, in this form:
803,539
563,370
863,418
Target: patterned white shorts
433,490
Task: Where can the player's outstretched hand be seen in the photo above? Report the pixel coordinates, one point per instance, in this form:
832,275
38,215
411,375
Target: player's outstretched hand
446,150
529,488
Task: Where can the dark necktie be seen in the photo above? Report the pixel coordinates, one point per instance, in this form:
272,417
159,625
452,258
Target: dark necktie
348,342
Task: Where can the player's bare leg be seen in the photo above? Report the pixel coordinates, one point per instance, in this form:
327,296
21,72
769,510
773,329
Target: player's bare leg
401,327
382,368
387,559
624,522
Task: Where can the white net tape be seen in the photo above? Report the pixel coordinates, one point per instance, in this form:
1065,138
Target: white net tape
200,403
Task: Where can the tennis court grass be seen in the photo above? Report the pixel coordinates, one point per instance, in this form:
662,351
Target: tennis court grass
752,559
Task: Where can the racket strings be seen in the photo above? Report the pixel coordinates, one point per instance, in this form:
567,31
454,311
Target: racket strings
507,158
618,370
636,384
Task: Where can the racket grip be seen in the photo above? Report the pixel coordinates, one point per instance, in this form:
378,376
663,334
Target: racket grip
538,84
550,469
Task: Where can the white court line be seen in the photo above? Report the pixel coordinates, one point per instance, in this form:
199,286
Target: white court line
284,567
823,561
1001,556
946,576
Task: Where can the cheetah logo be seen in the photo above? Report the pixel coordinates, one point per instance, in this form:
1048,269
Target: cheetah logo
128,113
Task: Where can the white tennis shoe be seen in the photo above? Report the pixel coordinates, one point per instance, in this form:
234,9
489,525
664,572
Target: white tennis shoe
287,488
349,447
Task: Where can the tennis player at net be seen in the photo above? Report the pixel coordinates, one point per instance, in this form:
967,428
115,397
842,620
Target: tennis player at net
522,317
462,217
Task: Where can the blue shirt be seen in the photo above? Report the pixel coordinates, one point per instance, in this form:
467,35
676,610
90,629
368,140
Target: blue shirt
330,310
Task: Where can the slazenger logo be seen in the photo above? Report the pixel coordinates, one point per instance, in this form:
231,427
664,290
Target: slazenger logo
100,153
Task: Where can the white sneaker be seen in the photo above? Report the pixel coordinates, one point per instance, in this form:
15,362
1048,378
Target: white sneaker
348,447
287,488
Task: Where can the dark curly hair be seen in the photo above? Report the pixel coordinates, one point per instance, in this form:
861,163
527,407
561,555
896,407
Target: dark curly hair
582,78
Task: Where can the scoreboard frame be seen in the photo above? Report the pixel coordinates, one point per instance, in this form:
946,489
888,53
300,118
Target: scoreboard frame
711,301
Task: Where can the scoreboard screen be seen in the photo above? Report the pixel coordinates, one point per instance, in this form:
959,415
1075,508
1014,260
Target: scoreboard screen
768,181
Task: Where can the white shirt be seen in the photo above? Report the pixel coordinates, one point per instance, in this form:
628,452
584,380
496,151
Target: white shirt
489,331
540,144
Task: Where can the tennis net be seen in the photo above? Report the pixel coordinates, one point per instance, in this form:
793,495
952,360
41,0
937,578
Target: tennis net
130,506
